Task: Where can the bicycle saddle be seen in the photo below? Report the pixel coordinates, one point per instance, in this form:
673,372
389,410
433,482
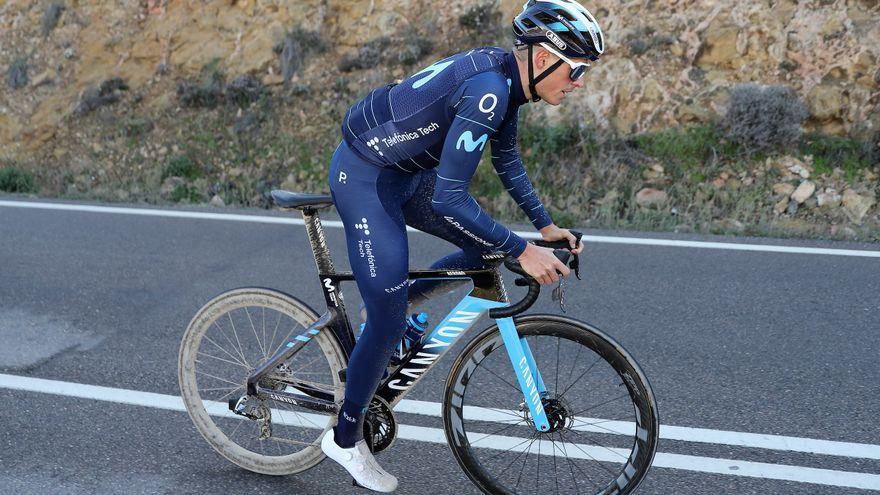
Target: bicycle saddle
287,199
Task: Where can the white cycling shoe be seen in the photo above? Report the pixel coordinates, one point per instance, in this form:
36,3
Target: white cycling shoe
360,464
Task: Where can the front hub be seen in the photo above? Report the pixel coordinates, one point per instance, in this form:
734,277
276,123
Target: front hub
558,411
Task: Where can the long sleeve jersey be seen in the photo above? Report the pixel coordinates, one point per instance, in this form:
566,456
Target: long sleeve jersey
442,117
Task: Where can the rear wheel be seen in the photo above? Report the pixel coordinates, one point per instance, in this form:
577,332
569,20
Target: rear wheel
230,337
602,413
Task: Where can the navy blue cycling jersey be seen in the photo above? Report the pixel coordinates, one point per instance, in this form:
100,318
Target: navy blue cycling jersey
442,117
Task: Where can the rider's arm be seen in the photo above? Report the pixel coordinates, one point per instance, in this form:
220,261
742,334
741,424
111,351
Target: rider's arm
509,167
478,107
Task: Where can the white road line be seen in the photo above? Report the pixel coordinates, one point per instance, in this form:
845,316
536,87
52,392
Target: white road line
731,467
527,235
681,433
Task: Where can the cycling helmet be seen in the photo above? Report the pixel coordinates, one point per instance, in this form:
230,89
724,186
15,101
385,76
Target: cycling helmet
564,24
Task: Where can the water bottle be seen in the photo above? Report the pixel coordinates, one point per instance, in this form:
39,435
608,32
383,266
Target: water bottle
415,329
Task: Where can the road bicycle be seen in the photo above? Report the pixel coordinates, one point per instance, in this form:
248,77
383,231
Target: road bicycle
536,403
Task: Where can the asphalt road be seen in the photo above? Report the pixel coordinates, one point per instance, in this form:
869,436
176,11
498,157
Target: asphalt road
734,341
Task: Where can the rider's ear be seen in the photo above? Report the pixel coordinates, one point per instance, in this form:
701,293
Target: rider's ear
540,57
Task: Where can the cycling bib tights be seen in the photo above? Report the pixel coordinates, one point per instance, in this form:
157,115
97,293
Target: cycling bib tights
408,154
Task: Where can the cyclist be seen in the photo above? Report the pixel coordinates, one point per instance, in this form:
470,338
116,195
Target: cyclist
408,154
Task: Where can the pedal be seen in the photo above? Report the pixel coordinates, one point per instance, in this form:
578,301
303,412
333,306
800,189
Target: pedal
241,407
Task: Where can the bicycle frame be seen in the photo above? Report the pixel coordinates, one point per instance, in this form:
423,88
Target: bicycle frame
488,293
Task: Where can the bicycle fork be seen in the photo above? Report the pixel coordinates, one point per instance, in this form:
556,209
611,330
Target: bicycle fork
526,371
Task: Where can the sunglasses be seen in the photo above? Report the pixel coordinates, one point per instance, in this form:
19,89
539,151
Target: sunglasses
578,69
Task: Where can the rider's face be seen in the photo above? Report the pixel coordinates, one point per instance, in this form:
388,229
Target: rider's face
556,86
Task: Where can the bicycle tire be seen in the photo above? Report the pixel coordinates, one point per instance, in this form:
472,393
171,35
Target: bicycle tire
211,415
462,416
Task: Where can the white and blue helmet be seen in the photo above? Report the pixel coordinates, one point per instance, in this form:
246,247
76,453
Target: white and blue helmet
565,24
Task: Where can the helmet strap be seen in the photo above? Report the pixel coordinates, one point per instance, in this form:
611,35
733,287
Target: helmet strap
533,81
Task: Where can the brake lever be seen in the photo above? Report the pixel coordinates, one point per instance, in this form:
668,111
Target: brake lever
558,294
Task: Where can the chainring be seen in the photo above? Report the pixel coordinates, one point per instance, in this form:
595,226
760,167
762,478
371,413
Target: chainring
380,426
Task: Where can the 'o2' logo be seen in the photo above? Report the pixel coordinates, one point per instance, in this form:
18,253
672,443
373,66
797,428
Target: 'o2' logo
488,100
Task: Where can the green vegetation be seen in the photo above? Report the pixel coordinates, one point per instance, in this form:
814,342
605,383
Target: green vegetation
830,152
15,180
546,141
689,147
182,166
186,194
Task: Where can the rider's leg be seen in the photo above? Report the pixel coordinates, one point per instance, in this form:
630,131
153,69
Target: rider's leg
419,214
369,201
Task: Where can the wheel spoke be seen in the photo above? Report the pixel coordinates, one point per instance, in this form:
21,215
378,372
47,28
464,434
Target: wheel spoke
274,333
236,363
214,389
231,345
263,328
525,460
572,464
618,454
555,477
503,380
584,423
218,378
609,401
235,334
556,387
574,363
299,370
286,337
508,450
220,399
506,412
518,455
598,358
254,328
209,339
599,463
301,417
538,469
496,432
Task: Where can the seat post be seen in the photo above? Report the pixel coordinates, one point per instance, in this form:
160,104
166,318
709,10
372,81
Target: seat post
318,240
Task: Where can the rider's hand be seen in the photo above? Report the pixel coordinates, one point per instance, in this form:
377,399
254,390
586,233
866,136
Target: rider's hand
554,233
542,264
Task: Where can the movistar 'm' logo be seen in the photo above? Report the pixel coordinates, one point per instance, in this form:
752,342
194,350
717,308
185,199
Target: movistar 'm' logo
434,70
467,139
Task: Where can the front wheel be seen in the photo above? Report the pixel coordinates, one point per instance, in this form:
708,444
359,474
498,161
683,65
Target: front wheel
602,413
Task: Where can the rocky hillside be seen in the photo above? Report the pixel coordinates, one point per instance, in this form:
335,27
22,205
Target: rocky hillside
668,62
132,99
